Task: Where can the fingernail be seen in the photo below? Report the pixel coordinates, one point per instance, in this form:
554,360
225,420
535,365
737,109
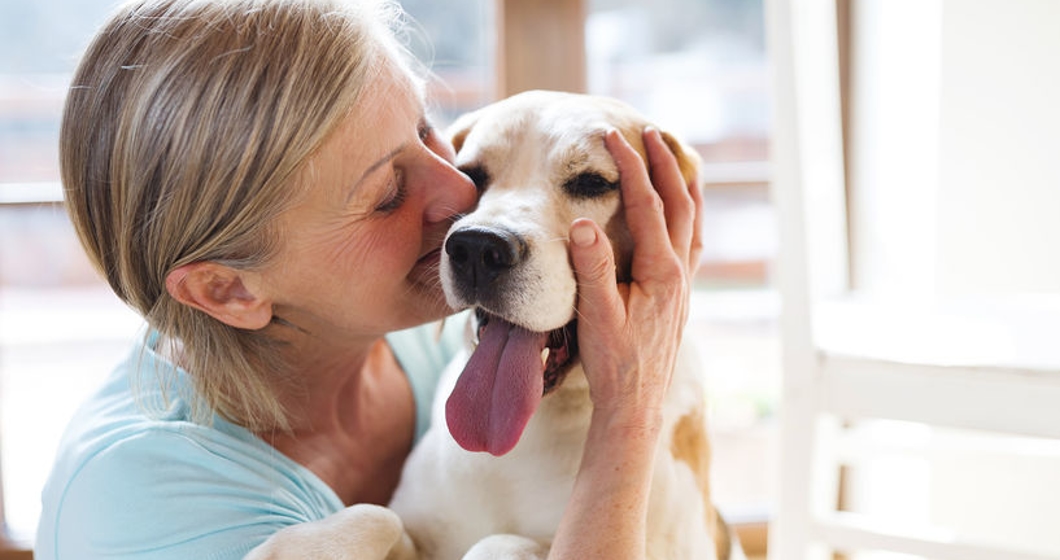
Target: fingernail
610,134
583,235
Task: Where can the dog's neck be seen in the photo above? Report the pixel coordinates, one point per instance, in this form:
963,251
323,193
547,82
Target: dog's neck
569,403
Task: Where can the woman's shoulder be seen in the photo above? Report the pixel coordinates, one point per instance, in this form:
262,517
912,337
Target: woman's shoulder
125,478
140,438
171,492
142,408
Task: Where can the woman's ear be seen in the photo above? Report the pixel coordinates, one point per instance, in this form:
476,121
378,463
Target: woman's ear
231,296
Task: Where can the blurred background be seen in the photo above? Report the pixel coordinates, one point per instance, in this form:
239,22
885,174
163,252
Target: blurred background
878,304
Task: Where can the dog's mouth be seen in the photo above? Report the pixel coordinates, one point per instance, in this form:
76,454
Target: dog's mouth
560,349
509,372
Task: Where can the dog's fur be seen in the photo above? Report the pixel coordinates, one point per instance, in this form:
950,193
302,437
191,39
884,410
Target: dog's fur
540,161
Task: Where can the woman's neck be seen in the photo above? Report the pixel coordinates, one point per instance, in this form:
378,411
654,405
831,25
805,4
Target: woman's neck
353,426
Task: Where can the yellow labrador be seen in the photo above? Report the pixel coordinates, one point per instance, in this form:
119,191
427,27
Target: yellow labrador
495,471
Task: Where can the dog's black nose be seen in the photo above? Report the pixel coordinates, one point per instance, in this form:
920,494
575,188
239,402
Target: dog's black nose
479,255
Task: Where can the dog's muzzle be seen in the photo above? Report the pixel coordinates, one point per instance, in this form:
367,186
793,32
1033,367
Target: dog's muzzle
478,256
512,366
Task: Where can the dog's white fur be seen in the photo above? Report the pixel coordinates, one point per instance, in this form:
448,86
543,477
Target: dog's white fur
457,504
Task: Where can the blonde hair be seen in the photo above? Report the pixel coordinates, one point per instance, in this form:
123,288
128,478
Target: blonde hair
183,132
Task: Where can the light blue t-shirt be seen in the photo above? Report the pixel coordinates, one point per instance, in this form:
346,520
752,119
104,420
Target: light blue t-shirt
129,485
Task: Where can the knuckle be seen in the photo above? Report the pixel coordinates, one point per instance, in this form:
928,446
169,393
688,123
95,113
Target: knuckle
599,267
684,214
672,278
654,202
671,267
697,244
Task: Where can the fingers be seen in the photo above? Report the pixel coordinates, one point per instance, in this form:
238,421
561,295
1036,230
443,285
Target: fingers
660,213
643,207
599,305
678,202
695,249
660,210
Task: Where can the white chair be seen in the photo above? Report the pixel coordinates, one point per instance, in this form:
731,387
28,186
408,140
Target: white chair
943,362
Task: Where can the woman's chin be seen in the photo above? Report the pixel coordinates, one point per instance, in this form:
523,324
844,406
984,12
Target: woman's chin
426,305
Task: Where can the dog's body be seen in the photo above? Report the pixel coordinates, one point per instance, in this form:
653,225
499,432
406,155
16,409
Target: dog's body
450,498
540,161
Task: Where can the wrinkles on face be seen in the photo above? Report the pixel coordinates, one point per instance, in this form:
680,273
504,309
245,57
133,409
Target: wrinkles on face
361,246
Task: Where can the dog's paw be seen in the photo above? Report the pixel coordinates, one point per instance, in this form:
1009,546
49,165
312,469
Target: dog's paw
507,547
359,532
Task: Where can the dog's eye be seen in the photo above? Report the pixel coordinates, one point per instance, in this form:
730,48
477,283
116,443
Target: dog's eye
589,185
478,175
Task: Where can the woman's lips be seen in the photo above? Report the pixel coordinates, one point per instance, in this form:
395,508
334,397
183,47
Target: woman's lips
431,258
426,269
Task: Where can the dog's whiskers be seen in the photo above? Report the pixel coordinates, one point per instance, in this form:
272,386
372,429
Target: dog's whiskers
580,317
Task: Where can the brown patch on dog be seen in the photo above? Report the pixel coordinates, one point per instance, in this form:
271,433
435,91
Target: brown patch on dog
691,446
459,130
622,245
722,536
687,159
459,137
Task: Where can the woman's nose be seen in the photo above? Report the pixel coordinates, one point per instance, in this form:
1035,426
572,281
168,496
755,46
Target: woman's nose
449,192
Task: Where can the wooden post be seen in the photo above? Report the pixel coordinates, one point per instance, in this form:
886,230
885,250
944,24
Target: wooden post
540,45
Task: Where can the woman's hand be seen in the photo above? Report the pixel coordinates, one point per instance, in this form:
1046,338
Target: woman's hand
628,334
628,337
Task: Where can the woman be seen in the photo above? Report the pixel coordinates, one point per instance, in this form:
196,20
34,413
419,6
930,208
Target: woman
259,180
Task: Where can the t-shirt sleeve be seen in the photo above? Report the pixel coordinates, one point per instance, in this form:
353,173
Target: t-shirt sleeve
423,353
169,496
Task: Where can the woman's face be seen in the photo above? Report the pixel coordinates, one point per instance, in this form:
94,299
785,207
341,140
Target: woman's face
360,250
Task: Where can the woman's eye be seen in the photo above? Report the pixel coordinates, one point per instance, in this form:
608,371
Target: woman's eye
478,175
425,131
395,195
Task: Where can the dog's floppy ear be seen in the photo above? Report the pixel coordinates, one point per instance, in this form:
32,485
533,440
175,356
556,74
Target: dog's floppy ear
687,158
460,128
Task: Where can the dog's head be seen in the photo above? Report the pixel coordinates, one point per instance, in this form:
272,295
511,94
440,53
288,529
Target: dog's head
538,160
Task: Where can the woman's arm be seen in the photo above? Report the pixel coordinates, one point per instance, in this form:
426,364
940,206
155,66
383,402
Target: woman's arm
628,336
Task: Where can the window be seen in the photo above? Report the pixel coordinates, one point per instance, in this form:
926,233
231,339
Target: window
959,93
60,328
456,41
921,288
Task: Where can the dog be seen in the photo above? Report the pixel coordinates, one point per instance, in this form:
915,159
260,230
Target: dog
539,160
491,478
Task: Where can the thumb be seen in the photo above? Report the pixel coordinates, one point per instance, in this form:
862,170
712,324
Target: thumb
594,269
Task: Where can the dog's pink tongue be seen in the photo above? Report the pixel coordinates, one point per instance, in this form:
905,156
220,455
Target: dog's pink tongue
499,389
